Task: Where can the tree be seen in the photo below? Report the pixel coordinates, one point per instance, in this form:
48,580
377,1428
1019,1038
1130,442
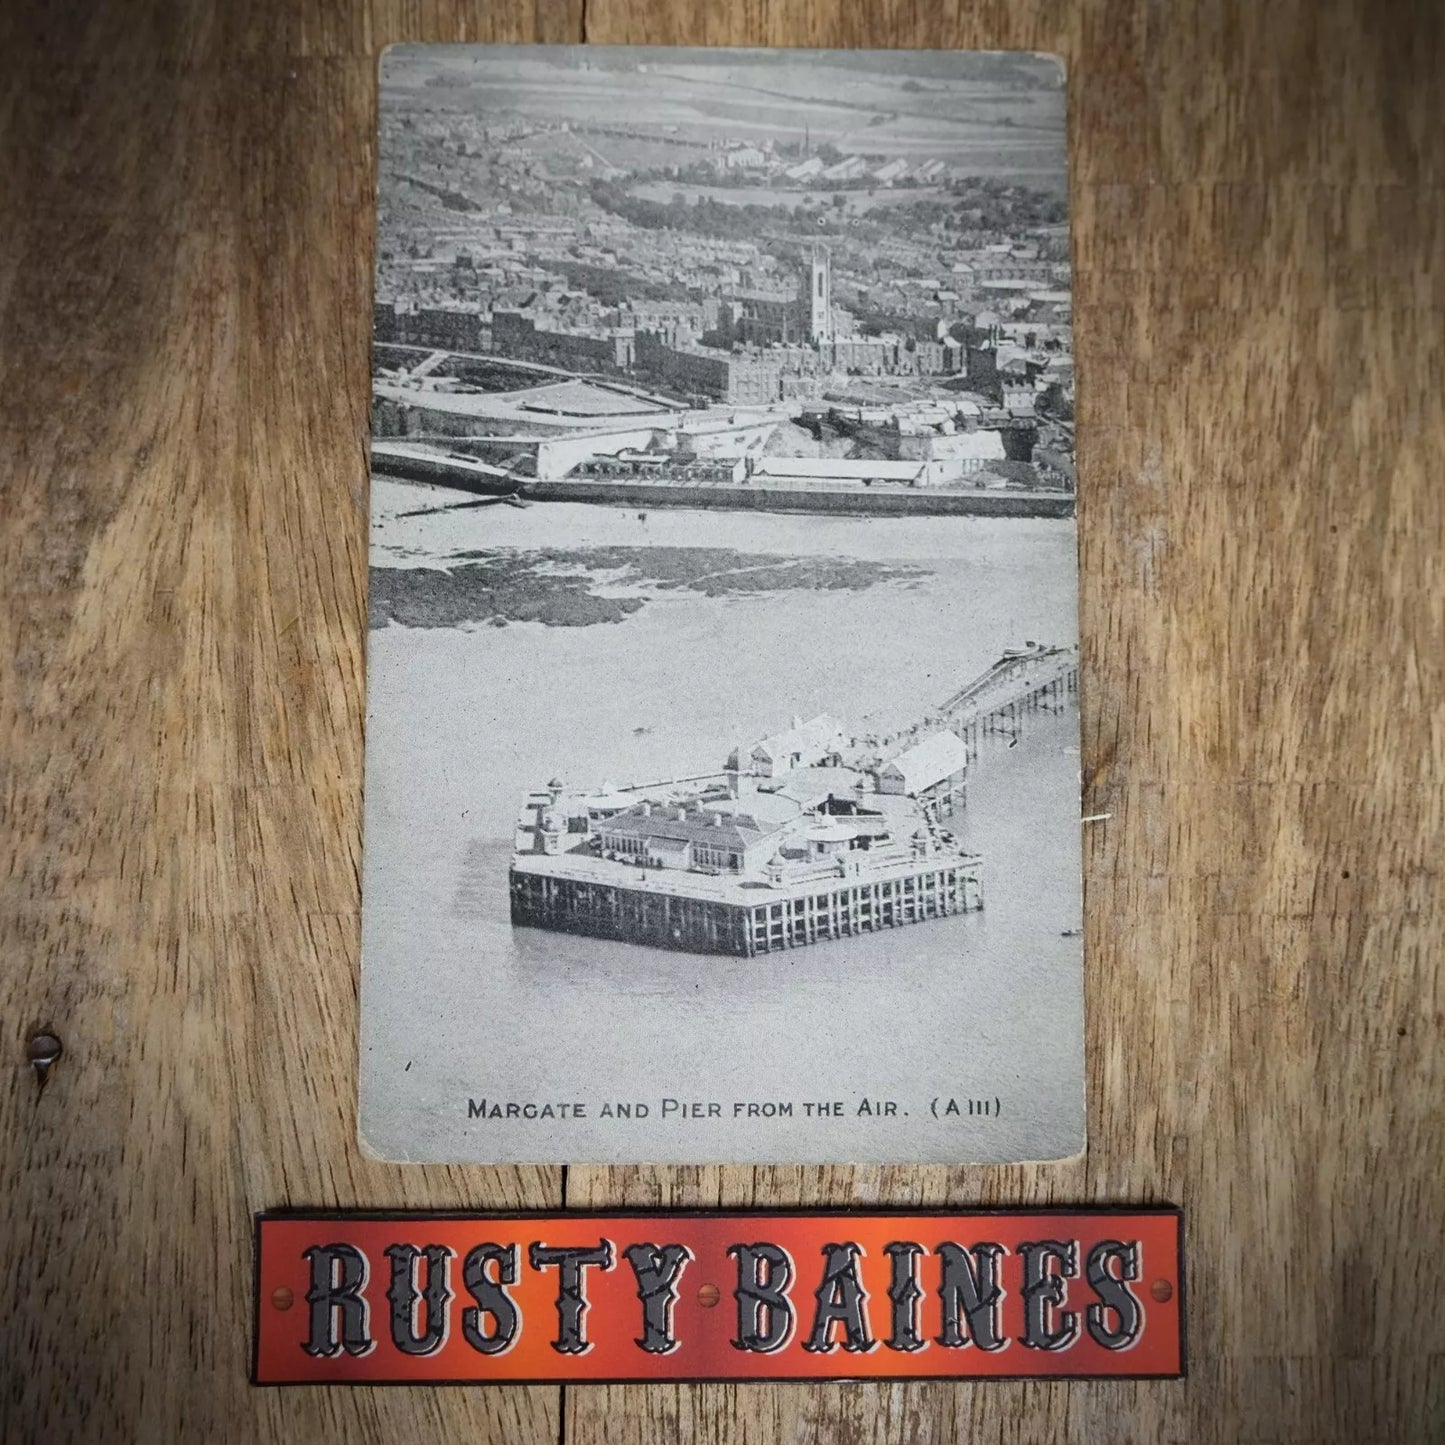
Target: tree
1053,403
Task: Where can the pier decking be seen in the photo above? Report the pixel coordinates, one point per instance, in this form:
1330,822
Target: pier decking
1023,681
1026,680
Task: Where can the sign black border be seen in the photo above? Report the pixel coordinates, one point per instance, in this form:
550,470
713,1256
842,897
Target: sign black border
301,1215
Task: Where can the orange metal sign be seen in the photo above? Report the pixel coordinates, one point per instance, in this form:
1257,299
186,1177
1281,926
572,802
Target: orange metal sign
561,1298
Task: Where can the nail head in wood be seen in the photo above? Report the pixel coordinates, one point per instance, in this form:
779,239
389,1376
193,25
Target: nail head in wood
44,1050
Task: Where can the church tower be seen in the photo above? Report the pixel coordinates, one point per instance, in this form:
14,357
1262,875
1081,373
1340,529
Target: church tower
820,295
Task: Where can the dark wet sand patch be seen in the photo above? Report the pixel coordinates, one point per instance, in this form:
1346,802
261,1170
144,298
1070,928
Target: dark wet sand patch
555,586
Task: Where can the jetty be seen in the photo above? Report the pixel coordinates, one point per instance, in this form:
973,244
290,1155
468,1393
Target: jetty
803,836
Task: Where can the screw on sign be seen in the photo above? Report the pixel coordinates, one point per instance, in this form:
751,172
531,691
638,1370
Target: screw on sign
557,1297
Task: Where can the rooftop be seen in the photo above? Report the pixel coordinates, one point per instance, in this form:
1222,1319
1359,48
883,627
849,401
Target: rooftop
811,738
690,825
931,761
583,398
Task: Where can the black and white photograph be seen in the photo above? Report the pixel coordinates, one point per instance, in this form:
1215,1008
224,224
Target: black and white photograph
722,742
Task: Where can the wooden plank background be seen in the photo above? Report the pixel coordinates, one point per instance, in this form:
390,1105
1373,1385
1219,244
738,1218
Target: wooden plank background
184,315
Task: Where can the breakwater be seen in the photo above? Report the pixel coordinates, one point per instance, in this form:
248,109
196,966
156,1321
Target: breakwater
841,501
468,474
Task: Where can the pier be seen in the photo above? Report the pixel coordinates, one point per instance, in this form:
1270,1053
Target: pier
1023,681
807,835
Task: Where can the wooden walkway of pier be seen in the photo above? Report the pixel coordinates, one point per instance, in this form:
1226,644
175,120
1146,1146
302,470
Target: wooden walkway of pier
998,699
1017,684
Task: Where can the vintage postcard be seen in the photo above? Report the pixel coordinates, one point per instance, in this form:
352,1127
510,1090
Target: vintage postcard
722,773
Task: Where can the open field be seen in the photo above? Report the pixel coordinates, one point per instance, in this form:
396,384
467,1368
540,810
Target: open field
664,191
1000,129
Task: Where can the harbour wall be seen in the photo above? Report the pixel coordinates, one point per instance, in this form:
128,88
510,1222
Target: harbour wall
838,500
867,501
416,467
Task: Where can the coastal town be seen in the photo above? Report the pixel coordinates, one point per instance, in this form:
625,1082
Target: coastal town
827,306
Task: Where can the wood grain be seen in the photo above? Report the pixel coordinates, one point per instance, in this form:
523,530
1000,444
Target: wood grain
1260,301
